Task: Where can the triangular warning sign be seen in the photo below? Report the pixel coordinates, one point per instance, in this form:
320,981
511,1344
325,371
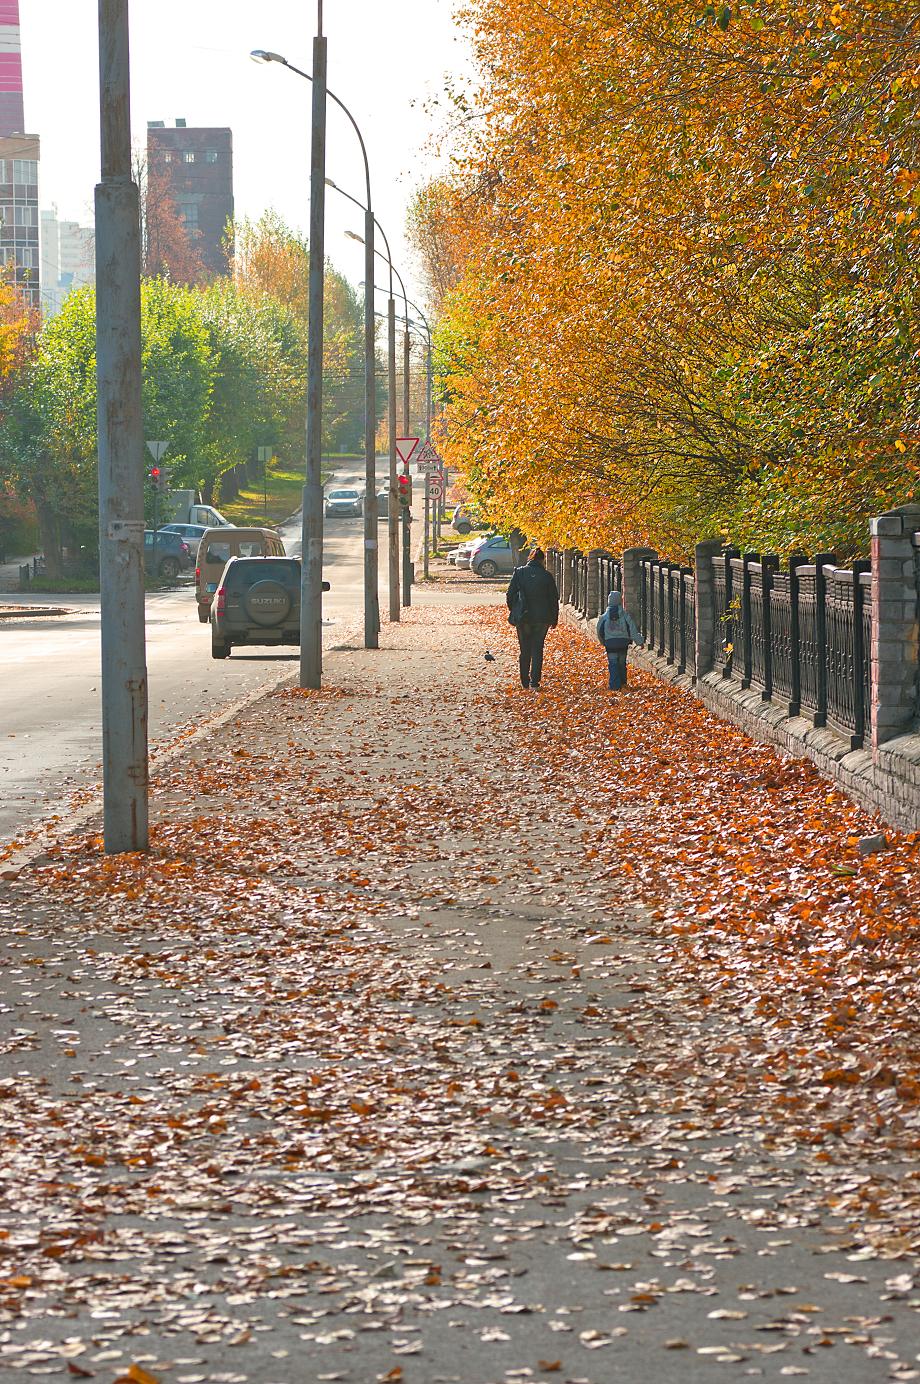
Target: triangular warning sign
405,446
428,453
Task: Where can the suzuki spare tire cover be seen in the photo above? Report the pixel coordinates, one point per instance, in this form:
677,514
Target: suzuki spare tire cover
267,603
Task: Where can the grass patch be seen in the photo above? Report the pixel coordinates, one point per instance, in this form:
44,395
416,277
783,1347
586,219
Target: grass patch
280,499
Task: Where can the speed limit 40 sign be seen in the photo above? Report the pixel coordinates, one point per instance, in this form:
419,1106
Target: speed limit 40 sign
435,486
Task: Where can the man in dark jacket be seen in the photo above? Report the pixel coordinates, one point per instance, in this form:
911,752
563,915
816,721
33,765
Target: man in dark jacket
536,589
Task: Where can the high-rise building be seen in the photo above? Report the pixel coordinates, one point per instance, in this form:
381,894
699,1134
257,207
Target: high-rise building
193,168
19,158
12,117
68,259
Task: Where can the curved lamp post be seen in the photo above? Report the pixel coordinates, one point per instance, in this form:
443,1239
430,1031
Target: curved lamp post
371,611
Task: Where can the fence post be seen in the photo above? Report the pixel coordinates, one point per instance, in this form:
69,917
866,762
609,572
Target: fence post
632,578
746,645
859,708
660,602
594,605
706,614
795,648
729,619
895,593
682,621
769,565
822,560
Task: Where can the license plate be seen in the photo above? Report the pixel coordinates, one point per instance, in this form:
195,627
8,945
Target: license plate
212,587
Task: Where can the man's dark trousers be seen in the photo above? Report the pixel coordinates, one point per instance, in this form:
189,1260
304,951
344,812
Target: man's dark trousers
531,638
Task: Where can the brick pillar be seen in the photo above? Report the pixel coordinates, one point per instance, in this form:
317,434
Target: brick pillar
568,576
597,599
631,560
894,623
707,625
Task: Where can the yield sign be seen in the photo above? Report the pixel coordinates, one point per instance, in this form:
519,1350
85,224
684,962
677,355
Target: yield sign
156,449
405,446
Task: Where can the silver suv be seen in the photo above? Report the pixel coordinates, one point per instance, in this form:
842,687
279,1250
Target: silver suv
256,602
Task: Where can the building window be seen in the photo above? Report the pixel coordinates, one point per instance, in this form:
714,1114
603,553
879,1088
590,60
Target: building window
26,215
6,171
189,156
25,171
210,156
167,156
189,213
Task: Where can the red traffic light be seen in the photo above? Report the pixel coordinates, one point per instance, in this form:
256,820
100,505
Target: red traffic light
154,473
405,490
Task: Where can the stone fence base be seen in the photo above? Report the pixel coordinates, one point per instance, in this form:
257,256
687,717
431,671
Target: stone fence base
888,785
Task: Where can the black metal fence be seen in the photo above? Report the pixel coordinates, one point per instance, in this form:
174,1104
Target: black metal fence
801,634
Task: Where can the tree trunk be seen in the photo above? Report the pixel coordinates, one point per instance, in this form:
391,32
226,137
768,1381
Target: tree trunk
49,533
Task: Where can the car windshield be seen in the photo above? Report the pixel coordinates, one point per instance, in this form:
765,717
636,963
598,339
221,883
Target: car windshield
343,494
245,574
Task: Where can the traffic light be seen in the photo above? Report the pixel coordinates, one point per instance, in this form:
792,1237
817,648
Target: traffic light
405,490
157,478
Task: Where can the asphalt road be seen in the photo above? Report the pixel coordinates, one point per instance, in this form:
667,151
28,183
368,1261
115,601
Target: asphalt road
50,735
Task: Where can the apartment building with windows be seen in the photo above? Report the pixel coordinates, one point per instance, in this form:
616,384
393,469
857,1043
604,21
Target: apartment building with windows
194,166
19,159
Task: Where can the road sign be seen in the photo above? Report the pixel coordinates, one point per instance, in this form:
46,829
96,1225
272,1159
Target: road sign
428,459
435,485
265,454
156,449
405,446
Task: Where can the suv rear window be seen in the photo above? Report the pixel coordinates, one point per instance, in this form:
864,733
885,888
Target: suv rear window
245,574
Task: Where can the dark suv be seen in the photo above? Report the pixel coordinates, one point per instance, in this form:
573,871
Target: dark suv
171,552
257,602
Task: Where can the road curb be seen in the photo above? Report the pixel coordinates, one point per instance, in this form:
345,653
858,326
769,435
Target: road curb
29,612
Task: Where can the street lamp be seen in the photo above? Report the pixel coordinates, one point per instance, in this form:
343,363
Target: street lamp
371,612
392,516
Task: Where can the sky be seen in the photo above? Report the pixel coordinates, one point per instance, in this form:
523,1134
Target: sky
388,59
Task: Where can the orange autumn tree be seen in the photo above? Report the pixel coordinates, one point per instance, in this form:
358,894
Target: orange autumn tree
686,246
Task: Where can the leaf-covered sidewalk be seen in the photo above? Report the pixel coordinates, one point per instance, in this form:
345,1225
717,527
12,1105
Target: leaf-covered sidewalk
455,1033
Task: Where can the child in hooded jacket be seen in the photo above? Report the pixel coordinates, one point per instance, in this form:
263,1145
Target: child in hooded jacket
616,630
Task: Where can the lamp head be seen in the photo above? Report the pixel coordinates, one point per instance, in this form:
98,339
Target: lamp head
353,235
261,55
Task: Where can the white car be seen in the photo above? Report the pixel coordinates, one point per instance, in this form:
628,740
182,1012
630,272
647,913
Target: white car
347,503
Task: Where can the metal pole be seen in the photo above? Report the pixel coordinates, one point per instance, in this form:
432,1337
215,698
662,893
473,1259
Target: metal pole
428,393
120,450
427,519
371,612
311,595
406,555
394,505
407,347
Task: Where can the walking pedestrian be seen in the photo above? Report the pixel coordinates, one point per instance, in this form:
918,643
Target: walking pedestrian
533,609
616,630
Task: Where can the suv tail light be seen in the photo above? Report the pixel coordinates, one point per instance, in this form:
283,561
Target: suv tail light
198,574
221,601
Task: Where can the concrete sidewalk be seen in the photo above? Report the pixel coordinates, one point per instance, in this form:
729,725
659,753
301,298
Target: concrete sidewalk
390,1063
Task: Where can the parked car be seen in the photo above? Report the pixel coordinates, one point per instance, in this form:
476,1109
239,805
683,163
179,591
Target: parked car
189,533
341,503
491,557
257,602
383,504
467,550
168,556
465,518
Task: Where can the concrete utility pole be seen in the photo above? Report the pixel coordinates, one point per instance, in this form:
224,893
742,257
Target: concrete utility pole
311,593
394,507
121,450
371,605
